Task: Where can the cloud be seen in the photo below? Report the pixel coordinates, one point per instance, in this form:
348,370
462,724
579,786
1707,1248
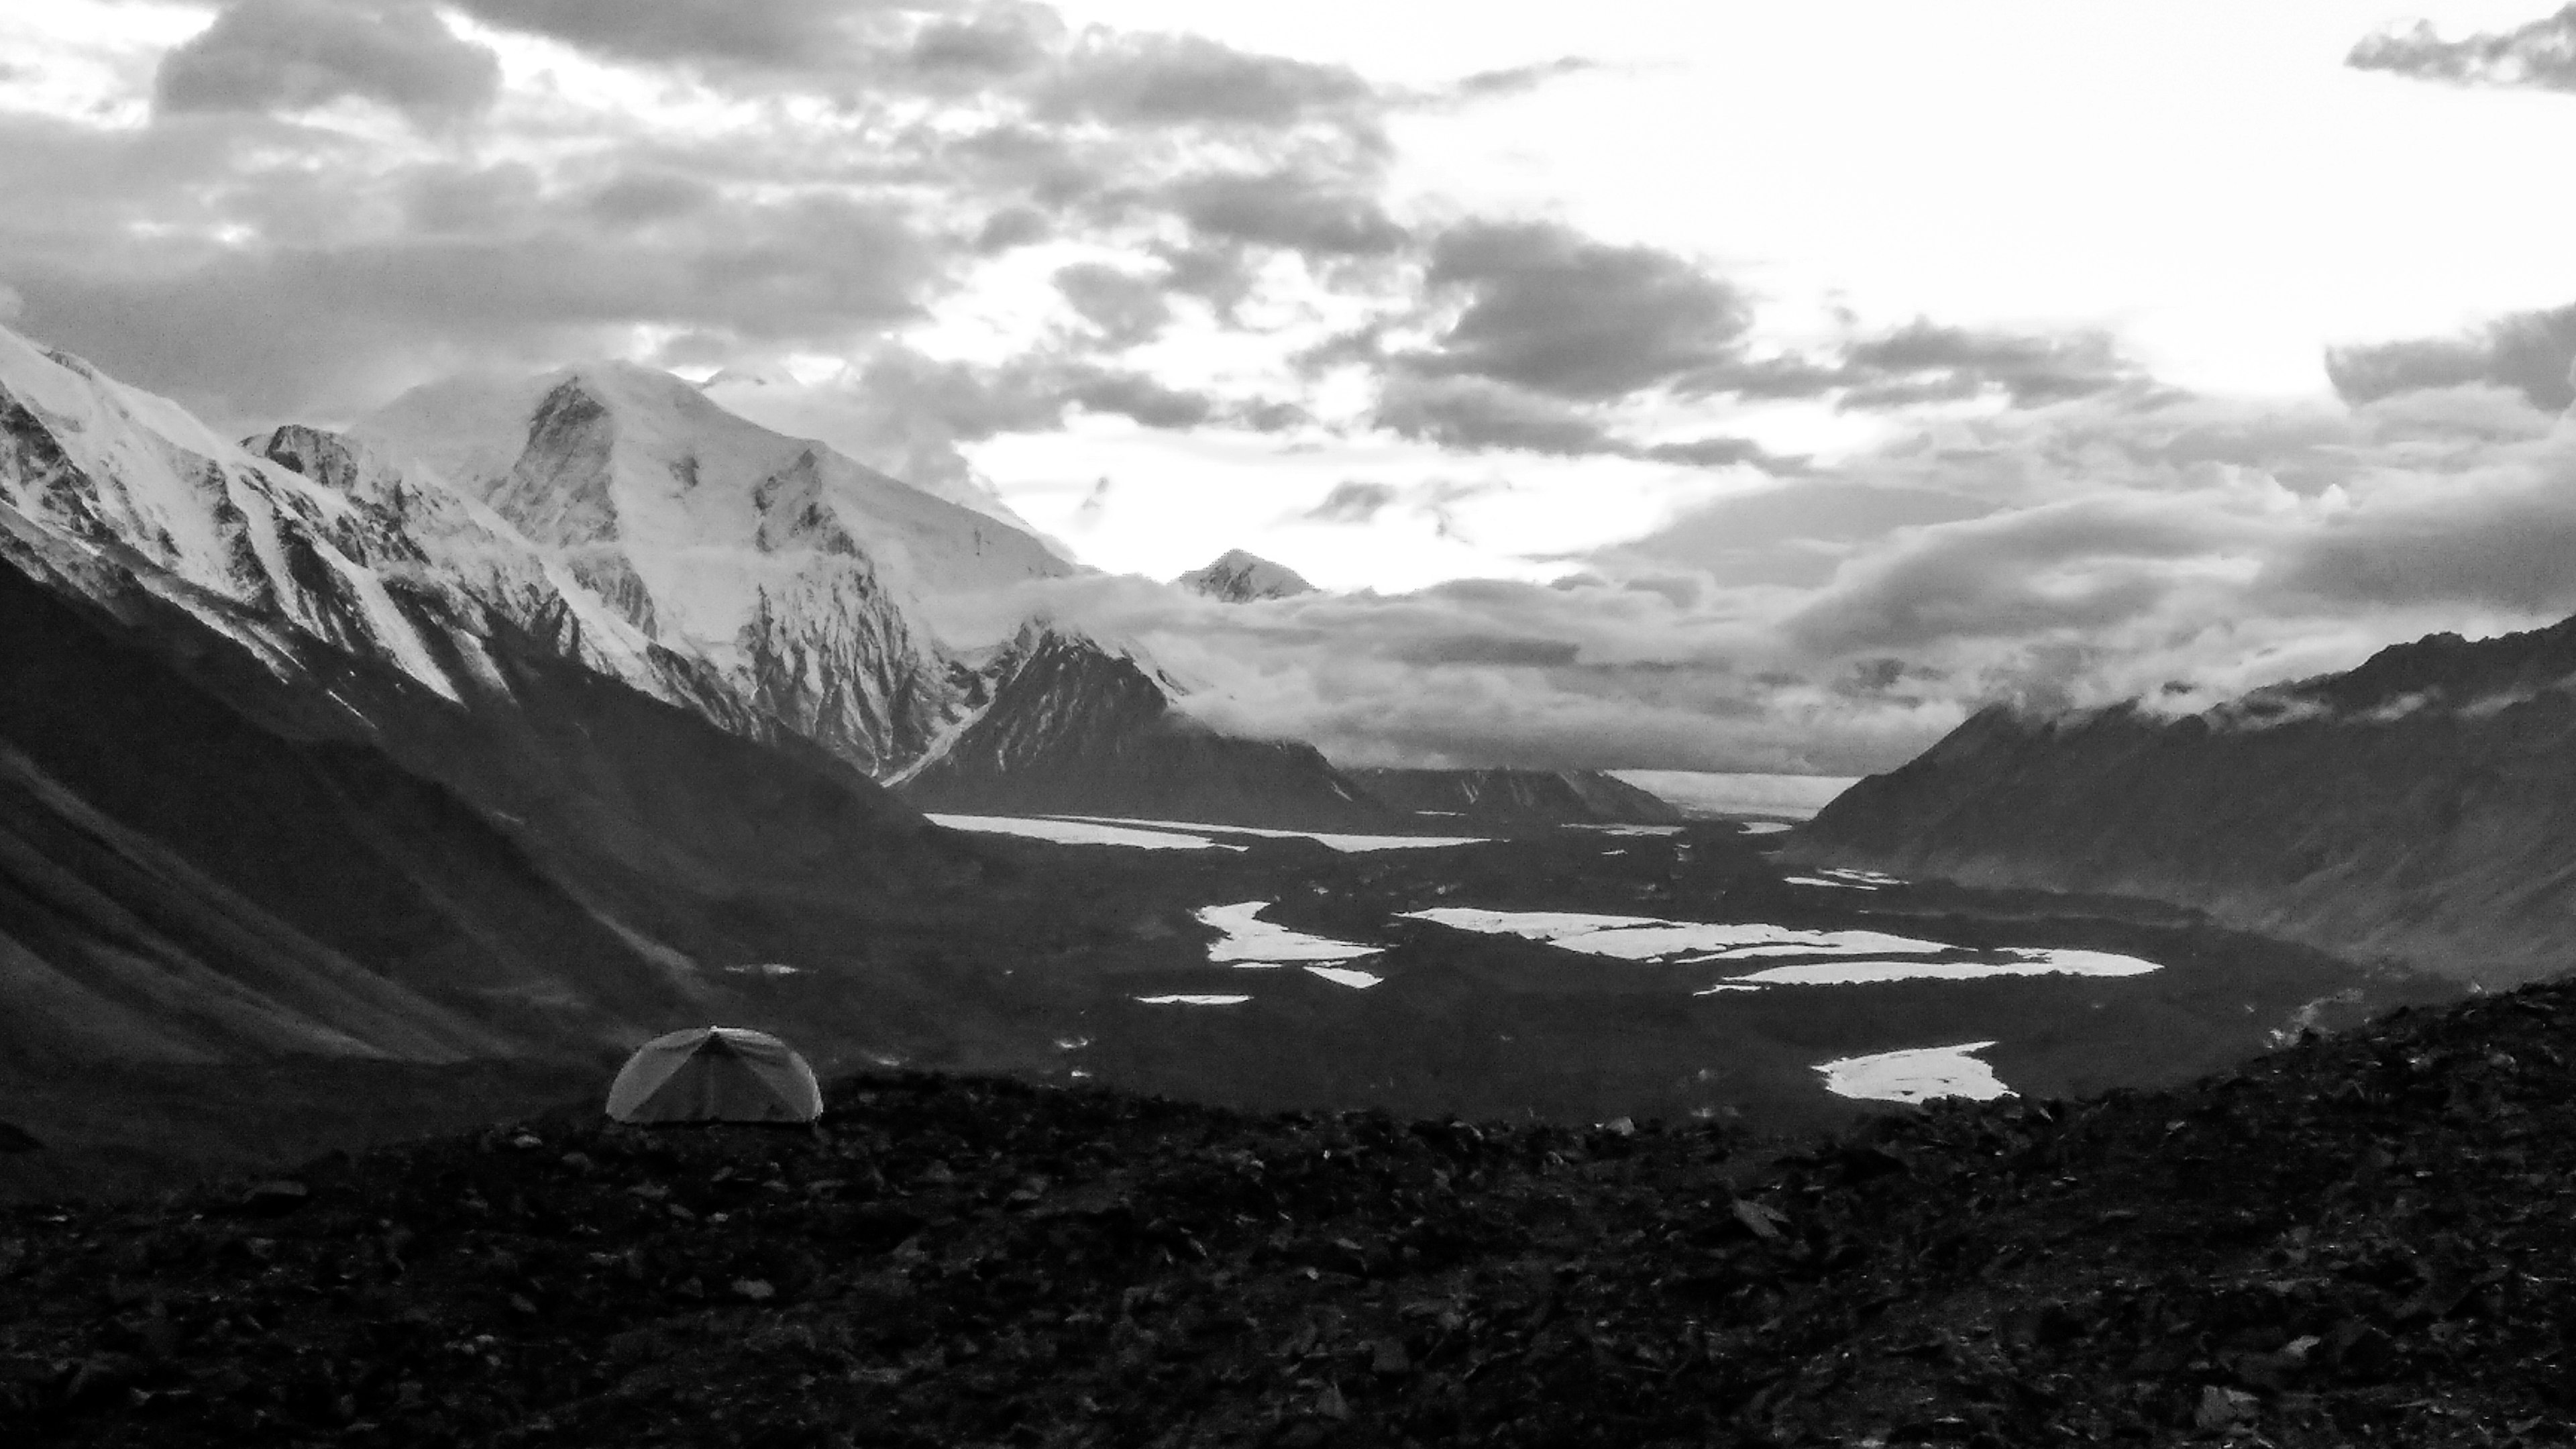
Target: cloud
778,35
2534,353
293,55
1289,209
1470,413
1169,80
2541,54
1473,414
911,415
1123,308
1548,309
1923,361
2078,567
1520,79
352,282
1353,500
2506,542
1436,500
1795,532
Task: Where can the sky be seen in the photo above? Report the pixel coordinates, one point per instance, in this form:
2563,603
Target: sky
1649,385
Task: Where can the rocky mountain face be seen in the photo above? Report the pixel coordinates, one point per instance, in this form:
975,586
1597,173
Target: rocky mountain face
2414,809
1067,725
1505,798
1237,577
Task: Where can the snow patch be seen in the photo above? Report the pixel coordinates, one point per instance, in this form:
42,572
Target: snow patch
2026,962
1915,1075
1077,832
1194,999
1250,940
1358,979
1859,877
1345,843
1649,938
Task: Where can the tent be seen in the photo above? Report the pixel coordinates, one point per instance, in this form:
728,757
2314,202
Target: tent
715,1074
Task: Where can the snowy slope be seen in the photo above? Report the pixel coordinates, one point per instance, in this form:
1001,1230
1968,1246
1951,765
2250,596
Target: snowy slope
90,468
794,573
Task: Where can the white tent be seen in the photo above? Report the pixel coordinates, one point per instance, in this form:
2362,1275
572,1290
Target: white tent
715,1074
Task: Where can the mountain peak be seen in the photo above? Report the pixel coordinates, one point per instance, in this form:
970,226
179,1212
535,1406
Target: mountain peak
1238,577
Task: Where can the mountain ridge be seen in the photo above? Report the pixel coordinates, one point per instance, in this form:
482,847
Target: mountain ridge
2406,810
609,513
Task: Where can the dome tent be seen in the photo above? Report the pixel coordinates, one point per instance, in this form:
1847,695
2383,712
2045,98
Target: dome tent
715,1074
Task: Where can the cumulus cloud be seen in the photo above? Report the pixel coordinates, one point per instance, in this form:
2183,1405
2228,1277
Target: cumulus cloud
958,132
292,55
2534,353
1547,309
1319,215
782,35
1353,500
1473,414
2540,54
1923,361
1166,80
1122,307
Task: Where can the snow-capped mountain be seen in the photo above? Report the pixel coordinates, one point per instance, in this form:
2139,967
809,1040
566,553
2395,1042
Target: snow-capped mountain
614,518
791,572
1238,577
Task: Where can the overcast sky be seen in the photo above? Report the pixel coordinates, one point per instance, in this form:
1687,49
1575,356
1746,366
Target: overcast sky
1666,385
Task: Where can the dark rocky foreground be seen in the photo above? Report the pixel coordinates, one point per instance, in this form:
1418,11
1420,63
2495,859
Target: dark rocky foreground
2365,1239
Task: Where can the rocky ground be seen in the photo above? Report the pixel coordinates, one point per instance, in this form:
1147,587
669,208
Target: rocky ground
2363,1239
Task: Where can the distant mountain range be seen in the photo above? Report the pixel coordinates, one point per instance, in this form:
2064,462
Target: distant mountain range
2410,810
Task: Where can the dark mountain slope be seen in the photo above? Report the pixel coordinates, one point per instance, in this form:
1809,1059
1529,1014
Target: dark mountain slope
198,887
1518,797
2416,809
2358,1240
1072,728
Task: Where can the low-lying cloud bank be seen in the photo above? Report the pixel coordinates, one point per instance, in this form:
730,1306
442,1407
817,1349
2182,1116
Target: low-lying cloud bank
2135,542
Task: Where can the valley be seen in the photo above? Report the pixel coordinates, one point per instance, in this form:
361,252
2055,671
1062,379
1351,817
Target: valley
1558,975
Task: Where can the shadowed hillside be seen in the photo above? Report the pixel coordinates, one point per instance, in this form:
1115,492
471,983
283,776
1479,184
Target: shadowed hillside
2414,810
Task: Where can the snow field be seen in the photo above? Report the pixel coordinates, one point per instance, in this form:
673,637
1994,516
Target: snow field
1344,843
1914,1075
1251,940
1077,832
